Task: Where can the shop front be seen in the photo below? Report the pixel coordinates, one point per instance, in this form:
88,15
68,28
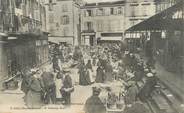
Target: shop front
88,39
109,38
61,40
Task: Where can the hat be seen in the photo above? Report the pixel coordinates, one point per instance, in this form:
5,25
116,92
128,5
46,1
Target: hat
96,90
153,71
131,83
146,69
34,70
66,70
149,75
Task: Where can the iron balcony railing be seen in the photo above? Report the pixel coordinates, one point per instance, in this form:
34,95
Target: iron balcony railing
10,22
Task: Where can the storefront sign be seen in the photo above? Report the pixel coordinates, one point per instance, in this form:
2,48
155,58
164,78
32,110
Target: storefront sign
18,12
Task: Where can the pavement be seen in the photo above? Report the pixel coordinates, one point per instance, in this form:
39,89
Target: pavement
172,81
12,100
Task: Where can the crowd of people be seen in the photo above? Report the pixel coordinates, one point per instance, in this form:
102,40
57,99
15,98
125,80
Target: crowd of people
101,64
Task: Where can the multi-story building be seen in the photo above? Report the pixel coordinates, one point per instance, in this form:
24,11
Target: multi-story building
103,21
23,40
138,11
164,4
63,19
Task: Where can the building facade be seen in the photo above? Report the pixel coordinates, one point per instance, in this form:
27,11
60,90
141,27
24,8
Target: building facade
101,22
63,19
138,11
24,42
164,4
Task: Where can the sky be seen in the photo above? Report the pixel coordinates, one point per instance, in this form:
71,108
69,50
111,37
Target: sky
94,1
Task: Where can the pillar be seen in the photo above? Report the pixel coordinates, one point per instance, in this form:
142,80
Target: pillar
3,60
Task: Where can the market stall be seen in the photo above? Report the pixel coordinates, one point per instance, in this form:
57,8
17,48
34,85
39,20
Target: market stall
112,95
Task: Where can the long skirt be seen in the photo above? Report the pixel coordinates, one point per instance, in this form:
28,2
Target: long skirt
91,75
109,77
58,83
33,99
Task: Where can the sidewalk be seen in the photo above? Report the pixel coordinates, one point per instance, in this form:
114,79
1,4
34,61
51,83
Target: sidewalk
173,82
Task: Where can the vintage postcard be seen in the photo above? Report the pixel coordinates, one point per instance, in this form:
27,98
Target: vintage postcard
91,56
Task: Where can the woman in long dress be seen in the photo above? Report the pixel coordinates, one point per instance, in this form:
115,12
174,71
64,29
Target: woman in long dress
108,73
84,77
100,75
90,69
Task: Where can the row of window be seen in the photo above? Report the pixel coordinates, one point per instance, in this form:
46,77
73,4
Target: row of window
133,11
65,31
103,12
139,11
51,4
64,19
111,25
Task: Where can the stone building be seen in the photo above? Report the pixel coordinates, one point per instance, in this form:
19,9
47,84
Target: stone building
23,36
138,11
102,22
63,19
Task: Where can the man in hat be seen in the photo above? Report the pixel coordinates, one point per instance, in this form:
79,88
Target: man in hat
94,104
67,87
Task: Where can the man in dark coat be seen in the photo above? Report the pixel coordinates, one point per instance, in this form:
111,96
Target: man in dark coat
25,81
50,87
55,63
94,104
67,88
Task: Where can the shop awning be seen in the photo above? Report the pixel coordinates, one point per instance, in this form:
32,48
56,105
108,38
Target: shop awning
161,21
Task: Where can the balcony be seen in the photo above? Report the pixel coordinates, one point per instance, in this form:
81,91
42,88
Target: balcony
11,23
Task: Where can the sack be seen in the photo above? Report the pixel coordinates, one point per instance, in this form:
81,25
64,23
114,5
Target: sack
67,90
71,89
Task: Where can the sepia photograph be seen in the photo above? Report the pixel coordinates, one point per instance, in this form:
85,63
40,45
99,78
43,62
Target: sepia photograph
91,56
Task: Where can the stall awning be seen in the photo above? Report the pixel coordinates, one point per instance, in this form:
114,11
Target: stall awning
111,38
161,21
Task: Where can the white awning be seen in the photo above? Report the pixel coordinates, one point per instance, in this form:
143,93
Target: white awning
57,40
88,34
112,38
